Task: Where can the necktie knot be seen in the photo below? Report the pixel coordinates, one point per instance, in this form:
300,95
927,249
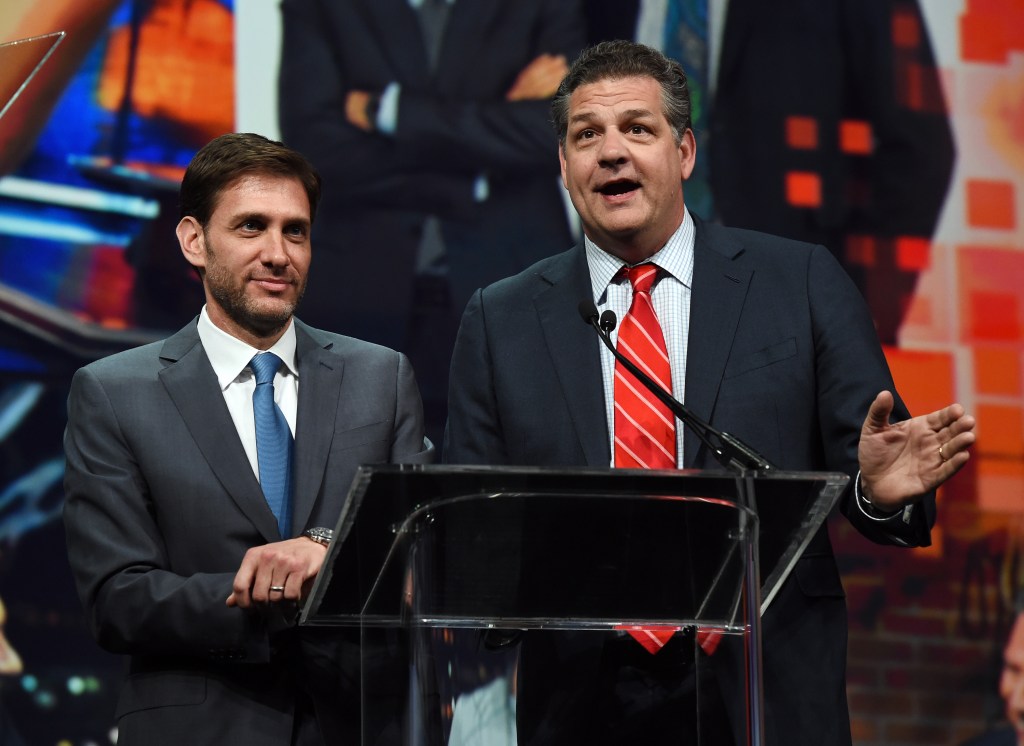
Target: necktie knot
642,277
264,366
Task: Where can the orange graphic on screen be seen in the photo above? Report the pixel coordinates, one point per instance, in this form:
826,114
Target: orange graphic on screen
184,67
990,30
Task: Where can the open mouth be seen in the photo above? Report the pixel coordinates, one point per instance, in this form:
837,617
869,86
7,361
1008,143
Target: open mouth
616,188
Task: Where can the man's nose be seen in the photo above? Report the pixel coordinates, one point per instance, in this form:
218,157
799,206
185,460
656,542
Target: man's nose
612,149
275,250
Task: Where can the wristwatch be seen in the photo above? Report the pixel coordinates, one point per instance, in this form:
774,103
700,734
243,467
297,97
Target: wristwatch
320,535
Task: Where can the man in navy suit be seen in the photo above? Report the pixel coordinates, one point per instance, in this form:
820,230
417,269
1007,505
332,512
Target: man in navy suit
767,338
180,560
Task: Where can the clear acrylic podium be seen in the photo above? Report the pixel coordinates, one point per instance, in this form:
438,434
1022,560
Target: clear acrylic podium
447,570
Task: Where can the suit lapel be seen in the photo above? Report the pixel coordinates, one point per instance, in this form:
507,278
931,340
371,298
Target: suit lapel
396,29
192,385
320,376
574,353
719,290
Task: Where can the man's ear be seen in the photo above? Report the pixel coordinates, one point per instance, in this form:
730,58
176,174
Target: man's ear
561,163
687,154
192,241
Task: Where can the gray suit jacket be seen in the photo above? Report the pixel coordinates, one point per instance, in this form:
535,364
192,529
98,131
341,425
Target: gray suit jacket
781,353
162,504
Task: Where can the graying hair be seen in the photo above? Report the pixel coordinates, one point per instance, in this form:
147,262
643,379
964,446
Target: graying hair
614,60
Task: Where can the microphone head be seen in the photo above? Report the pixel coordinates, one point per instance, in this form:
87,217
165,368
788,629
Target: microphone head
588,311
608,321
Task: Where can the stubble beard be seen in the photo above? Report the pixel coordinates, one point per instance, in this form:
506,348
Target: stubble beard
261,318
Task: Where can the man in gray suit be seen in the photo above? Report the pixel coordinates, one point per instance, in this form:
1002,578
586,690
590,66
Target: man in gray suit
180,559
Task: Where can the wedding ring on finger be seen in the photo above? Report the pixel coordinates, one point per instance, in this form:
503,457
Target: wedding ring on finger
280,588
942,455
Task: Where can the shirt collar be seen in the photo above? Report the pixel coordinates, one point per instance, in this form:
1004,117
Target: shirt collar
675,258
230,356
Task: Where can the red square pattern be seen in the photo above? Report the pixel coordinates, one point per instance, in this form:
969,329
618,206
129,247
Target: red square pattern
803,189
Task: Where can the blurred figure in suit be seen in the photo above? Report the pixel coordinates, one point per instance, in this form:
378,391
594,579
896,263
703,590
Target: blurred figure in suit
1011,689
429,121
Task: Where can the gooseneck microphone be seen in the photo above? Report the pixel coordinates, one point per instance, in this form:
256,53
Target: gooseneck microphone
730,452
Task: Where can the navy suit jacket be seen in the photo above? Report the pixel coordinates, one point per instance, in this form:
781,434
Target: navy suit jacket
781,353
162,504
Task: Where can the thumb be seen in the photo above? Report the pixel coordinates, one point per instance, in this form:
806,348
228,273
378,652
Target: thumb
879,411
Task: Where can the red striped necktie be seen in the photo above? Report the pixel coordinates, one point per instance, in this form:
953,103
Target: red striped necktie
645,429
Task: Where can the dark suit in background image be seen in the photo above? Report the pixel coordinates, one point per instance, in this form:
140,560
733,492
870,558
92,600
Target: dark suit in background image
429,119
180,559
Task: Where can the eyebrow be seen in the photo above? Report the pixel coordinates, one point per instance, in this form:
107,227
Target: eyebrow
638,113
587,116
244,217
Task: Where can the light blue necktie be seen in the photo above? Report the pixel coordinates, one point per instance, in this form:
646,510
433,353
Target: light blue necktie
273,442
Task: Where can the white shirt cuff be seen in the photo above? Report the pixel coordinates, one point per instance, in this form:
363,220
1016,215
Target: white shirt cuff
873,513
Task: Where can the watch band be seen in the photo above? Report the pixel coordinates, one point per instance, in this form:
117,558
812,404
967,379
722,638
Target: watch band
320,535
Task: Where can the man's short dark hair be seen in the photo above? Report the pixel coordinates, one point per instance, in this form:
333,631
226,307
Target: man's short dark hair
614,60
226,158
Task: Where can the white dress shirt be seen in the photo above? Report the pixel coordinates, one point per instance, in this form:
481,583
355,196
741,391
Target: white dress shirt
671,298
230,358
